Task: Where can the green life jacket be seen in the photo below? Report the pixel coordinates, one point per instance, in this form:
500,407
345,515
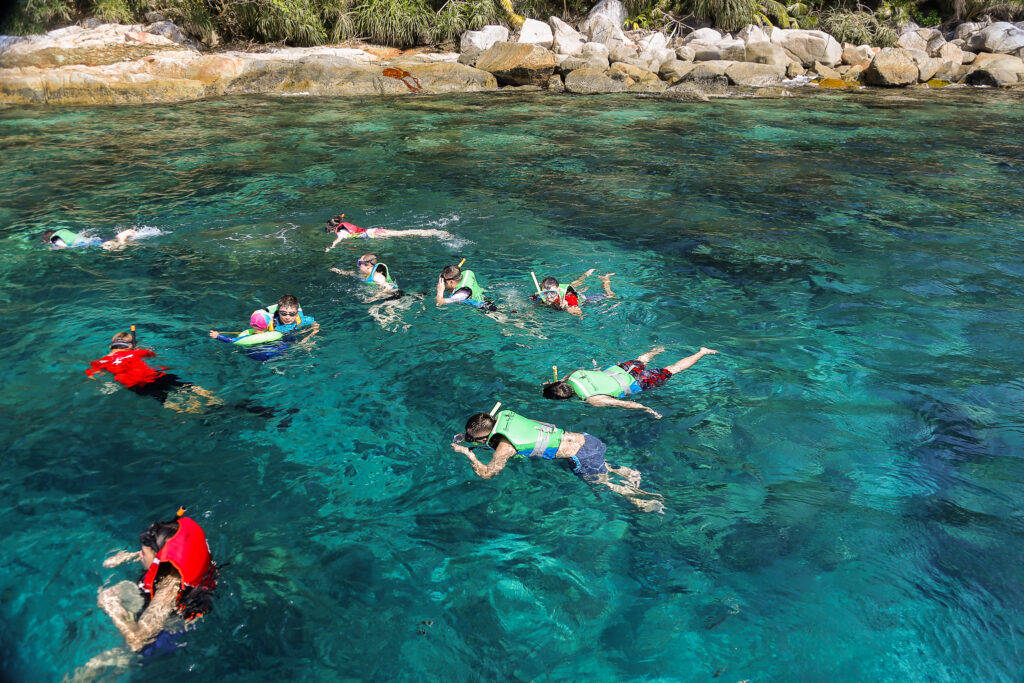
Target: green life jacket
476,292
562,291
66,236
272,310
532,438
613,381
387,275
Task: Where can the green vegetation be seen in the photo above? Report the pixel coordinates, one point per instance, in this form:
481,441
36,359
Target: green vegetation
403,23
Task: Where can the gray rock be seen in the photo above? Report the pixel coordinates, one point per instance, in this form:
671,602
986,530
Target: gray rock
484,38
949,72
912,40
756,75
752,34
172,32
555,83
518,63
708,71
968,57
826,71
808,47
766,53
155,17
566,40
685,53
673,71
654,86
589,81
609,34
892,66
1002,37
470,55
535,32
949,52
992,76
655,41
968,29
857,54
610,10
703,35
685,92
595,49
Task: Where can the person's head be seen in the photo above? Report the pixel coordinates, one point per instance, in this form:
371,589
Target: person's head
365,264
334,224
154,538
48,236
558,391
288,308
479,426
260,319
122,340
549,289
451,276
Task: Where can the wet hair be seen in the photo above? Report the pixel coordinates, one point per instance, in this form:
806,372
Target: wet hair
123,340
549,283
334,224
480,422
451,273
158,534
48,236
558,391
288,300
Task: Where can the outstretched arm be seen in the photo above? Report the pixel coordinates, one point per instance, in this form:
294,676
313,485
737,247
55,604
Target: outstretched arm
139,633
687,362
337,240
339,271
619,403
120,557
579,281
502,453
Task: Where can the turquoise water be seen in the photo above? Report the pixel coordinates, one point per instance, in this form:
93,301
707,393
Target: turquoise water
843,482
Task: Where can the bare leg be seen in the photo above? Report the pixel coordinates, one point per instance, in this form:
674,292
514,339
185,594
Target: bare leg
630,489
605,282
646,358
687,362
418,232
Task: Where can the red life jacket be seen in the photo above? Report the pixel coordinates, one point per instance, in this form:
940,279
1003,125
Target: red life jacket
353,229
188,552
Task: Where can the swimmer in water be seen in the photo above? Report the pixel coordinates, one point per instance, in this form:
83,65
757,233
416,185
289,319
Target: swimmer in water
456,285
126,363
376,275
510,434
568,298
179,576
607,387
65,239
343,231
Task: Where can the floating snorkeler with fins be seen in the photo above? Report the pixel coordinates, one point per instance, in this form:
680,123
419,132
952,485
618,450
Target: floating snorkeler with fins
609,386
510,434
344,230
175,589
66,239
568,298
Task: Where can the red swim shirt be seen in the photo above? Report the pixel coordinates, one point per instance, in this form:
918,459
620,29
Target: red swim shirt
127,367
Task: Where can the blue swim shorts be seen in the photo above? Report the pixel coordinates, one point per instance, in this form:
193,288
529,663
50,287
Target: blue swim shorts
590,457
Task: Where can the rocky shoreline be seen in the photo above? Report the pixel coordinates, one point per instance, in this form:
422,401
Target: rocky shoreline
114,64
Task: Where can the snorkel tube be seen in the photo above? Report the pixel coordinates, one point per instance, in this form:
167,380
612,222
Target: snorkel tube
134,344
461,436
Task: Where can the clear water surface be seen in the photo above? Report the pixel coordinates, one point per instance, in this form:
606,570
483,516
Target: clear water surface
843,482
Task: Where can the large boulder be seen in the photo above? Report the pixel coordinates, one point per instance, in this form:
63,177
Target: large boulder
580,61
926,66
518,63
729,49
535,32
702,35
708,71
857,54
603,31
685,53
949,52
103,44
674,70
766,53
912,40
966,30
1002,37
892,66
756,75
685,92
484,38
753,34
565,39
999,73
595,50
808,47
621,71
588,81
609,10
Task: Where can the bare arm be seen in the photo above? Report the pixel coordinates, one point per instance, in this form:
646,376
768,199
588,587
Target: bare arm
502,453
120,557
619,403
575,284
439,296
312,332
337,240
339,271
139,633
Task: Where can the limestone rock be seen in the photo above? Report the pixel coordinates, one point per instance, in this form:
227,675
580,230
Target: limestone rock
589,81
518,63
1001,37
764,52
566,40
609,10
857,54
673,71
757,75
703,35
808,47
484,38
892,66
535,32
685,53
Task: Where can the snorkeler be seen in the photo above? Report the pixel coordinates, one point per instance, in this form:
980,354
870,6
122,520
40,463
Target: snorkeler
463,286
261,343
550,293
607,387
372,272
176,587
126,363
287,316
510,434
344,231
64,239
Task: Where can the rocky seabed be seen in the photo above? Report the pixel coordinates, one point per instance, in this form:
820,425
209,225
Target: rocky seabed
111,64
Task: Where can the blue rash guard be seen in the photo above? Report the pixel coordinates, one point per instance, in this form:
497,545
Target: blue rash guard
280,327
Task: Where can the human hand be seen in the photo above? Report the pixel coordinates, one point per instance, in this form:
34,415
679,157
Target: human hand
588,273
339,271
327,249
214,333
605,277
315,327
655,413
120,557
707,352
107,598
461,449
